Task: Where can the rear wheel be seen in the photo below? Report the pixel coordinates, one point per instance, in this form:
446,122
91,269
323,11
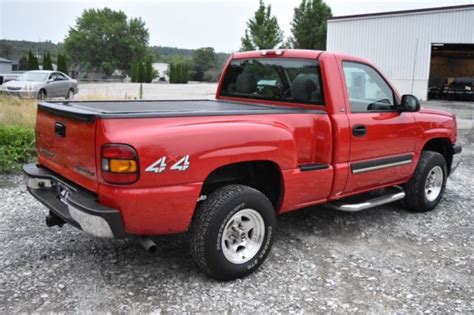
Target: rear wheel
42,94
426,188
232,232
70,94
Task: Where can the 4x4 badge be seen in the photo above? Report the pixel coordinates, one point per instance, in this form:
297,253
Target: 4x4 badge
159,166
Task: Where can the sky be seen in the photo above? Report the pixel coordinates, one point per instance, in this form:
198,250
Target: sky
177,23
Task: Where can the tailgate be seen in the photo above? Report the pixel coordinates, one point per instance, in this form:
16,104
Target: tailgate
65,144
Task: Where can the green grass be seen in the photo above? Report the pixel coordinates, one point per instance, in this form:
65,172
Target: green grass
17,146
17,136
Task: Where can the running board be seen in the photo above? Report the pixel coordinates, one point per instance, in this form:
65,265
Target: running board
366,201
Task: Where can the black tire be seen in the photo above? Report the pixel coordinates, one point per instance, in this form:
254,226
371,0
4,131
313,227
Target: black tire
69,94
209,224
416,198
42,94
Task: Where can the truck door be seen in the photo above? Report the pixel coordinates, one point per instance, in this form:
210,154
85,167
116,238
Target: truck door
383,139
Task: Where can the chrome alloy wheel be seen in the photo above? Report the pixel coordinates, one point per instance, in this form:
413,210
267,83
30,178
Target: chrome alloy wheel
243,236
434,183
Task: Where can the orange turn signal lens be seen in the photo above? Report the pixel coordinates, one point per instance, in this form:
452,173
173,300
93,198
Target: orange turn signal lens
122,166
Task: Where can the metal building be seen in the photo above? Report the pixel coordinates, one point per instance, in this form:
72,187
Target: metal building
415,48
5,65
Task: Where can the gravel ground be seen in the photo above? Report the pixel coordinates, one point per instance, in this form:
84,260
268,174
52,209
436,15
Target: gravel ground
382,260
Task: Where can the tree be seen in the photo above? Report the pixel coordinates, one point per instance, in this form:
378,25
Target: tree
62,64
23,63
204,59
105,39
309,25
47,63
44,60
32,61
171,73
6,50
58,61
183,73
141,72
150,72
262,30
178,73
134,72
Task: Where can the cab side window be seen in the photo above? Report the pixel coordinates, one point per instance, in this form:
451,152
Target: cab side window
367,90
60,77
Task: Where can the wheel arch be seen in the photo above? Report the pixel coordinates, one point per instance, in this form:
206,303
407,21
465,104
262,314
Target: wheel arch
263,175
443,146
43,89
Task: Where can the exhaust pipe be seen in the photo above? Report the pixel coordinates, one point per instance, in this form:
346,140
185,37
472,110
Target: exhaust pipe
148,244
53,220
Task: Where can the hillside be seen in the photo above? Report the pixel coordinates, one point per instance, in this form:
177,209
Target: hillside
172,51
14,50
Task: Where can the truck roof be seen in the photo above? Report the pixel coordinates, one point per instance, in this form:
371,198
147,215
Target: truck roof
286,53
295,53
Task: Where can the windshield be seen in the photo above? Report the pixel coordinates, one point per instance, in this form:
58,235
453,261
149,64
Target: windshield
278,79
33,76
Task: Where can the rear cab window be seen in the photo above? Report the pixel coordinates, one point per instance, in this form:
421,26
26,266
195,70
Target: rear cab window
274,79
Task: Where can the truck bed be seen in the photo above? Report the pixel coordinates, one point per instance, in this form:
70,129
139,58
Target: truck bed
90,110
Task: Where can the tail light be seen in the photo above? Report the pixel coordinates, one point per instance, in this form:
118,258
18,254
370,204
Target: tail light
119,164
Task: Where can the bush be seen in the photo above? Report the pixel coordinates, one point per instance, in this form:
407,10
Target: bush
32,61
134,72
47,63
211,75
62,64
178,73
141,72
17,146
151,73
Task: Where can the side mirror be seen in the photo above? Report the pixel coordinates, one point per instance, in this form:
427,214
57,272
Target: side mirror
410,103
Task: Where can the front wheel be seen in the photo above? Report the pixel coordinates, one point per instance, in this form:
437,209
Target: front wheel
232,232
42,95
70,94
426,188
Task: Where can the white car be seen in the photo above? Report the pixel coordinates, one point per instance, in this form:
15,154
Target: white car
42,84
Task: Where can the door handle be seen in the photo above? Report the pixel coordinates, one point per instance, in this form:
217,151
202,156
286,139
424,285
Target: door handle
359,130
60,129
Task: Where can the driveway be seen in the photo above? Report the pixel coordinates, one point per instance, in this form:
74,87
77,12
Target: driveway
382,260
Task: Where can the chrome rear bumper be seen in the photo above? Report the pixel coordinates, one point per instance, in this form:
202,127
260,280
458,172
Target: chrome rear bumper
72,204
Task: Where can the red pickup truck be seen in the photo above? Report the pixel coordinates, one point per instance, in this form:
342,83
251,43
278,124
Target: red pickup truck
288,129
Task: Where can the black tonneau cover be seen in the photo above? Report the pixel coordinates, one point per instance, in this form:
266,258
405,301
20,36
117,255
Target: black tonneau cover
90,110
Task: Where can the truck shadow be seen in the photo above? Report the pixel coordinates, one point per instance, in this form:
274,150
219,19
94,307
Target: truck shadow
327,222
173,261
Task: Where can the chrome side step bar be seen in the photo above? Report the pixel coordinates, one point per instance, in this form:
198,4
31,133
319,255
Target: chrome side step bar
392,194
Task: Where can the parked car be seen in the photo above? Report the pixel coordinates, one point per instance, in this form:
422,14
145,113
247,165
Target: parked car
42,85
6,77
438,92
288,129
461,89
